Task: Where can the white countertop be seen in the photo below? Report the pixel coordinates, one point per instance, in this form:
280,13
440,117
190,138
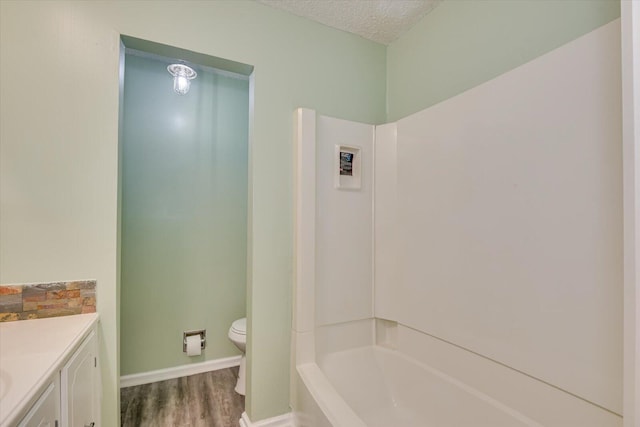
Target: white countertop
31,351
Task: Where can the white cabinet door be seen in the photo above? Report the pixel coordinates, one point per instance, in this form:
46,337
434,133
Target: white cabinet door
80,386
45,412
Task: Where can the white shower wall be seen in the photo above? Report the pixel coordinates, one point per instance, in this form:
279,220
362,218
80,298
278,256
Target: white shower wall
499,220
387,277
334,241
344,227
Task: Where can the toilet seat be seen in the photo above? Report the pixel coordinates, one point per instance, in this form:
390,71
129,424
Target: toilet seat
240,326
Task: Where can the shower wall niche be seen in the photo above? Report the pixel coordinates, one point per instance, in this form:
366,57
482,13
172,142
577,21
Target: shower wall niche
184,212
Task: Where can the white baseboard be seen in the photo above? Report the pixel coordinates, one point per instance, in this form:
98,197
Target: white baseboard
178,371
286,420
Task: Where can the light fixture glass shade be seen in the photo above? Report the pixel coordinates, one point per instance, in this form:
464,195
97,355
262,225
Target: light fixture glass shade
182,76
181,84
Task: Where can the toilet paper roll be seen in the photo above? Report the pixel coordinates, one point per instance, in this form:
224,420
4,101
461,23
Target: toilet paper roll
193,345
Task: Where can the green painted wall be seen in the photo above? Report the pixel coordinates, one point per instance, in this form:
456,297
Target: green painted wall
463,43
184,214
59,148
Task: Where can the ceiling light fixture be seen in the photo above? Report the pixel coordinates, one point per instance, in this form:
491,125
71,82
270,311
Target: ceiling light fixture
182,76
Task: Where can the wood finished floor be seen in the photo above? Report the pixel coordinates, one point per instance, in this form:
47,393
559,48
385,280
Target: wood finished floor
203,400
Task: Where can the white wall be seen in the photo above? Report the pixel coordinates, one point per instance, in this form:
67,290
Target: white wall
510,220
630,11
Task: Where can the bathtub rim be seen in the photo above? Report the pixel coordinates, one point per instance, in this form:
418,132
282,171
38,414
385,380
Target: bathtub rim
330,402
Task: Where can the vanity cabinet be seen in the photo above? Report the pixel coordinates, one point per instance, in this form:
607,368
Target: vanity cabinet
72,398
46,411
80,386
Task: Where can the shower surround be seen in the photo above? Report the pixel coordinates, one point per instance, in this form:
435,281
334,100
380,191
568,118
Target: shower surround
480,263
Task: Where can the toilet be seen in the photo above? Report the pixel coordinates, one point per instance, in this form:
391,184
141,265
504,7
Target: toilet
238,336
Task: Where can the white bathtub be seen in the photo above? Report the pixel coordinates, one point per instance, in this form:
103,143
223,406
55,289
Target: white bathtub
426,383
376,387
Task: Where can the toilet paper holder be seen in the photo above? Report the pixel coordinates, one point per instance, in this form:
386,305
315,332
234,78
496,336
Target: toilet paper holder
203,338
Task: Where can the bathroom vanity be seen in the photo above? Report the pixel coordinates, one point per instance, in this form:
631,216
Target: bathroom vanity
49,374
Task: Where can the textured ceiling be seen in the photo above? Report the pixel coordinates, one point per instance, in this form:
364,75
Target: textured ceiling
382,21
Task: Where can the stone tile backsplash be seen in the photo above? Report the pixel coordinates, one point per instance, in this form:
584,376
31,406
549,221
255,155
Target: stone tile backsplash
39,300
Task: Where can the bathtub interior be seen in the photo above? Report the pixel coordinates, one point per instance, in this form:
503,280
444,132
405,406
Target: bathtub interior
386,388
362,373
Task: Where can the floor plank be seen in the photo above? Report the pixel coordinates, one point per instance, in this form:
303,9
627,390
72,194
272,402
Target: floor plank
203,400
